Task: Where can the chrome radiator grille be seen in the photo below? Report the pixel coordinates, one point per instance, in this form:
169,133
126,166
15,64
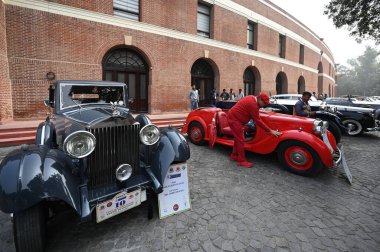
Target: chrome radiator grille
115,145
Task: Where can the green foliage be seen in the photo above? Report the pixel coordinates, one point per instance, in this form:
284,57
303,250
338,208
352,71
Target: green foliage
362,77
361,17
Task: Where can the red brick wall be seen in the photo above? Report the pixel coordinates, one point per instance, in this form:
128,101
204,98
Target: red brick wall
5,85
39,42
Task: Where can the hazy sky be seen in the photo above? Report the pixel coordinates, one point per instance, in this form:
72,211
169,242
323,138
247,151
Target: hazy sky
310,13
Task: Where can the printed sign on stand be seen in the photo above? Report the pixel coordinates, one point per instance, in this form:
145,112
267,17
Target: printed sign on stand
175,197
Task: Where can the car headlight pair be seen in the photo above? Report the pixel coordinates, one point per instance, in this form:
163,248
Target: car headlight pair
149,134
82,143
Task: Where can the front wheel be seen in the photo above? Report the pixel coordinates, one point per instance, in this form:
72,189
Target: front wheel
29,229
354,127
299,158
196,133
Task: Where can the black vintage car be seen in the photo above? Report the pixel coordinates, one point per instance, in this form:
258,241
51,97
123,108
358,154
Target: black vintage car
90,154
359,119
285,103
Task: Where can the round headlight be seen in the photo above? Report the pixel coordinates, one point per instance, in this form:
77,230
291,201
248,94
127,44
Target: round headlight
318,125
79,144
149,134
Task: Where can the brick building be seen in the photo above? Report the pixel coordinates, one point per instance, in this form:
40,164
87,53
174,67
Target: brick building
158,48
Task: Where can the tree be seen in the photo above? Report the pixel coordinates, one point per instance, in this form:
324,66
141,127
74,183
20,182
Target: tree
360,16
362,76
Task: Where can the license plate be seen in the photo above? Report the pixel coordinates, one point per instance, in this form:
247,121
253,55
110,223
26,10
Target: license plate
121,202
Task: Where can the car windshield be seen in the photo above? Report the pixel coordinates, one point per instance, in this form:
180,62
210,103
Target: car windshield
76,95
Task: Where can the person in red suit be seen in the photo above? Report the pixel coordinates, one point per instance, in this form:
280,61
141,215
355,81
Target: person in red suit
239,115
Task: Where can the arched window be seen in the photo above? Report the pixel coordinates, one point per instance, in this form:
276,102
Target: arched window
202,76
301,85
249,82
281,83
128,66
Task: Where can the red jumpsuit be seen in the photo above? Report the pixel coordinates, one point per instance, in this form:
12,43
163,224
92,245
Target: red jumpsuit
240,114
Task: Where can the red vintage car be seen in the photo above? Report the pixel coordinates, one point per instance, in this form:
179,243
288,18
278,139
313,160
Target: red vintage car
305,146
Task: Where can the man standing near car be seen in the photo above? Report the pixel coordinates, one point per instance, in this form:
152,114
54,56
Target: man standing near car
239,115
302,107
194,98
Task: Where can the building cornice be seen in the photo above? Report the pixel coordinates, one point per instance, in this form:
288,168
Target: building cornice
326,76
68,11
253,16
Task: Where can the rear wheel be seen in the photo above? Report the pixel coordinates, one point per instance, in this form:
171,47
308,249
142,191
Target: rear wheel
196,133
299,158
335,130
29,229
354,127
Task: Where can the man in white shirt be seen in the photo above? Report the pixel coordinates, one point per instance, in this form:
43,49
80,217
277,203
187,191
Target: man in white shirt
194,98
240,95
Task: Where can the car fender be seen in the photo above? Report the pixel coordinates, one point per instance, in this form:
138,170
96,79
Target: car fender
200,120
143,120
34,173
45,134
314,142
171,148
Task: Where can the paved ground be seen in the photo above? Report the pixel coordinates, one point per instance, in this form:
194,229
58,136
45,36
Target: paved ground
237,209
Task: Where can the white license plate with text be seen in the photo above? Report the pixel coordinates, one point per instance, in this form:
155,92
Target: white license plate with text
121,202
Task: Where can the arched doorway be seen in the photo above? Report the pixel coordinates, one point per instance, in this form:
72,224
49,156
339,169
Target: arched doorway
320,79
128,66
202,76
281,83
251,81
301,85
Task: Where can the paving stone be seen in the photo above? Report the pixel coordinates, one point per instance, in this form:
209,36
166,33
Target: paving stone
236,209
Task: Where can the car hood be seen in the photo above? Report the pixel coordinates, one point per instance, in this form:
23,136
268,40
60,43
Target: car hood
89,116
286,122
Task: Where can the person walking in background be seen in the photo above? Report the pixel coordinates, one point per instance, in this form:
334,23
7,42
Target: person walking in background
239,115
194,98
224,95
232,95
240,95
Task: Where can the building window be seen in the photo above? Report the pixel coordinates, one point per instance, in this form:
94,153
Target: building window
127,8
281,46
302,54
252,36
203,20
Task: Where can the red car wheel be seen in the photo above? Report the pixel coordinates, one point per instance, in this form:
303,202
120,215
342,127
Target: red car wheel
299,158
196,133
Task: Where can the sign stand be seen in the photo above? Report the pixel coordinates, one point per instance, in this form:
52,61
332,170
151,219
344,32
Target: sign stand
175,197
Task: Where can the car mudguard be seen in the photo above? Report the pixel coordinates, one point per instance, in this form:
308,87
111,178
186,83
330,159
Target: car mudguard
34,173
327,116
314,142
194,119
171,148
143,120
45,134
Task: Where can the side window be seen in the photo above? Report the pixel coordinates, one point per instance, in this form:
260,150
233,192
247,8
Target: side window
252,35
127,8
281,46
203,20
